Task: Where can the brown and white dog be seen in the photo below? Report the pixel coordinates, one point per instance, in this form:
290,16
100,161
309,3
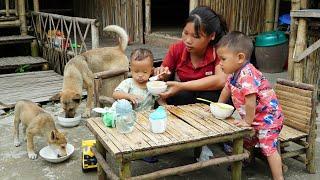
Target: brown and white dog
37,122
79,73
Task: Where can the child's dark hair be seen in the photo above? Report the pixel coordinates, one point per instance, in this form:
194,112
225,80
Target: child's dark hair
204,18
238,42
141,54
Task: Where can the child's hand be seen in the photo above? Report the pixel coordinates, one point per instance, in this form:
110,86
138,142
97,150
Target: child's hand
241,123
135,99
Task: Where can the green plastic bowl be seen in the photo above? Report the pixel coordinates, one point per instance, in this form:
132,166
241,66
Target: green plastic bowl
270,38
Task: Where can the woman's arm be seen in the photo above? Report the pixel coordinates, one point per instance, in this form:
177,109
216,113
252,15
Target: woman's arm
214,82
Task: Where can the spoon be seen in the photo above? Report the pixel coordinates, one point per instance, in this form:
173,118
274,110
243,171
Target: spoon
205,100
156,77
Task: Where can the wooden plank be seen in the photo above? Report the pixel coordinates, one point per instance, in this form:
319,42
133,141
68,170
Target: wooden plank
307,51
301,92
108,144
117,139
35,86
14,62
16,39
310,13
181,114
287,134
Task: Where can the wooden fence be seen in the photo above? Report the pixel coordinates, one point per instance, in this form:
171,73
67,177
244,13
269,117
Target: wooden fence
62,37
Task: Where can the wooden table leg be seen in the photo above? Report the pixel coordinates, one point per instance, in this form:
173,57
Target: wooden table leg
101,174
237,166
125,169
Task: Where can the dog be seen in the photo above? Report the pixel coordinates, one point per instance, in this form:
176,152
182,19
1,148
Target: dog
37,122
79,73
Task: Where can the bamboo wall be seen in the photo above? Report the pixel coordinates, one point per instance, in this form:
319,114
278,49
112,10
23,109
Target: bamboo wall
246,16
125,13
243,15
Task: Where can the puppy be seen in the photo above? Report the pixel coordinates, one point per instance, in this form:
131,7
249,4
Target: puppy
37,122
79,73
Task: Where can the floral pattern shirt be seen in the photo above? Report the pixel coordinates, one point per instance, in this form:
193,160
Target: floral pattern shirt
248,80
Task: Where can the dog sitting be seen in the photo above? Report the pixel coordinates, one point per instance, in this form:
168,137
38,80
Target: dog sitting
37,122
79,73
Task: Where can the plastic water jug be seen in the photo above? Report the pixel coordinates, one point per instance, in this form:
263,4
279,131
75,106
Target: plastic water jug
125,116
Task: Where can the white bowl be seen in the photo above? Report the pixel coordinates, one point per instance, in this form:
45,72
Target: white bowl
221,110
156,87
50,155
69,122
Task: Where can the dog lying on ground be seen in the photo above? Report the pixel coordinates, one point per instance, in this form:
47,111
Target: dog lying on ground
37,122
79,73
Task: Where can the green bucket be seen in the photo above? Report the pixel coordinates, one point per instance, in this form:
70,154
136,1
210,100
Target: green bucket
271,51
270,38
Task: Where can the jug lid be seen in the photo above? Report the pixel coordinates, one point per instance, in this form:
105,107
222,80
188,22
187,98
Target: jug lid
159,113
123,106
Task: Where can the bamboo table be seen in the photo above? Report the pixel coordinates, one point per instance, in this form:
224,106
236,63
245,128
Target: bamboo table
188,126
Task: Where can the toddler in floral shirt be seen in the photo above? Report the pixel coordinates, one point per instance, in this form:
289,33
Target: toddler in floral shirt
252,96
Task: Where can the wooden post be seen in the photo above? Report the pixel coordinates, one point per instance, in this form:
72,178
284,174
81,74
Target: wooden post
311,139
295,5
148,16
276,16
34,44
237,166
95,35
97,86
301,45
36,5
101,174
16,7
22,17
192,4
7,8
124,169
269,16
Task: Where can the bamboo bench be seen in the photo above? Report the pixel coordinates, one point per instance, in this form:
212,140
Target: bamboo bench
298,101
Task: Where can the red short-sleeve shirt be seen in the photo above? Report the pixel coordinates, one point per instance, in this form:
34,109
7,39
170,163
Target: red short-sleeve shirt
178,60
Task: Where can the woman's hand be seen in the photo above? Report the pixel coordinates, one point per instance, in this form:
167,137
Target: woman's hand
174,88
159,70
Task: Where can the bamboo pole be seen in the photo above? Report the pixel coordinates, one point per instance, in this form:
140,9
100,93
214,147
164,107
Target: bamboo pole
193,4
104,165
95,35
7,8
295,5
148,16
124,169
102,151
22,17
301,45
236,166
269,16
192,167
310,153
276,16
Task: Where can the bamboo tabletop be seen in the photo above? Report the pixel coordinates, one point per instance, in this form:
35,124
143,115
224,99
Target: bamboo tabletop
185,124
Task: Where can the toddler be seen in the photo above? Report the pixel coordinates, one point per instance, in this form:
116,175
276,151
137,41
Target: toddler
252,96
134,89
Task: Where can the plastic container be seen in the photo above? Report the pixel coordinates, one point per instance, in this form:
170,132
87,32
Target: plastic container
158,120
125,116
271,51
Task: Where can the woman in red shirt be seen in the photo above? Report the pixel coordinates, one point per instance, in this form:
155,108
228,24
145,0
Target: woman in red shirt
193,63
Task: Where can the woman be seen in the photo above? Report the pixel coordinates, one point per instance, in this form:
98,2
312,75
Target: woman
192,62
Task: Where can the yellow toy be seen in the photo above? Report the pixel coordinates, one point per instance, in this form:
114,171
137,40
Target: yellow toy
89,161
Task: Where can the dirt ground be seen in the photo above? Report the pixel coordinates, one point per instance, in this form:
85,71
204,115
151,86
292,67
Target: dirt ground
14,162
